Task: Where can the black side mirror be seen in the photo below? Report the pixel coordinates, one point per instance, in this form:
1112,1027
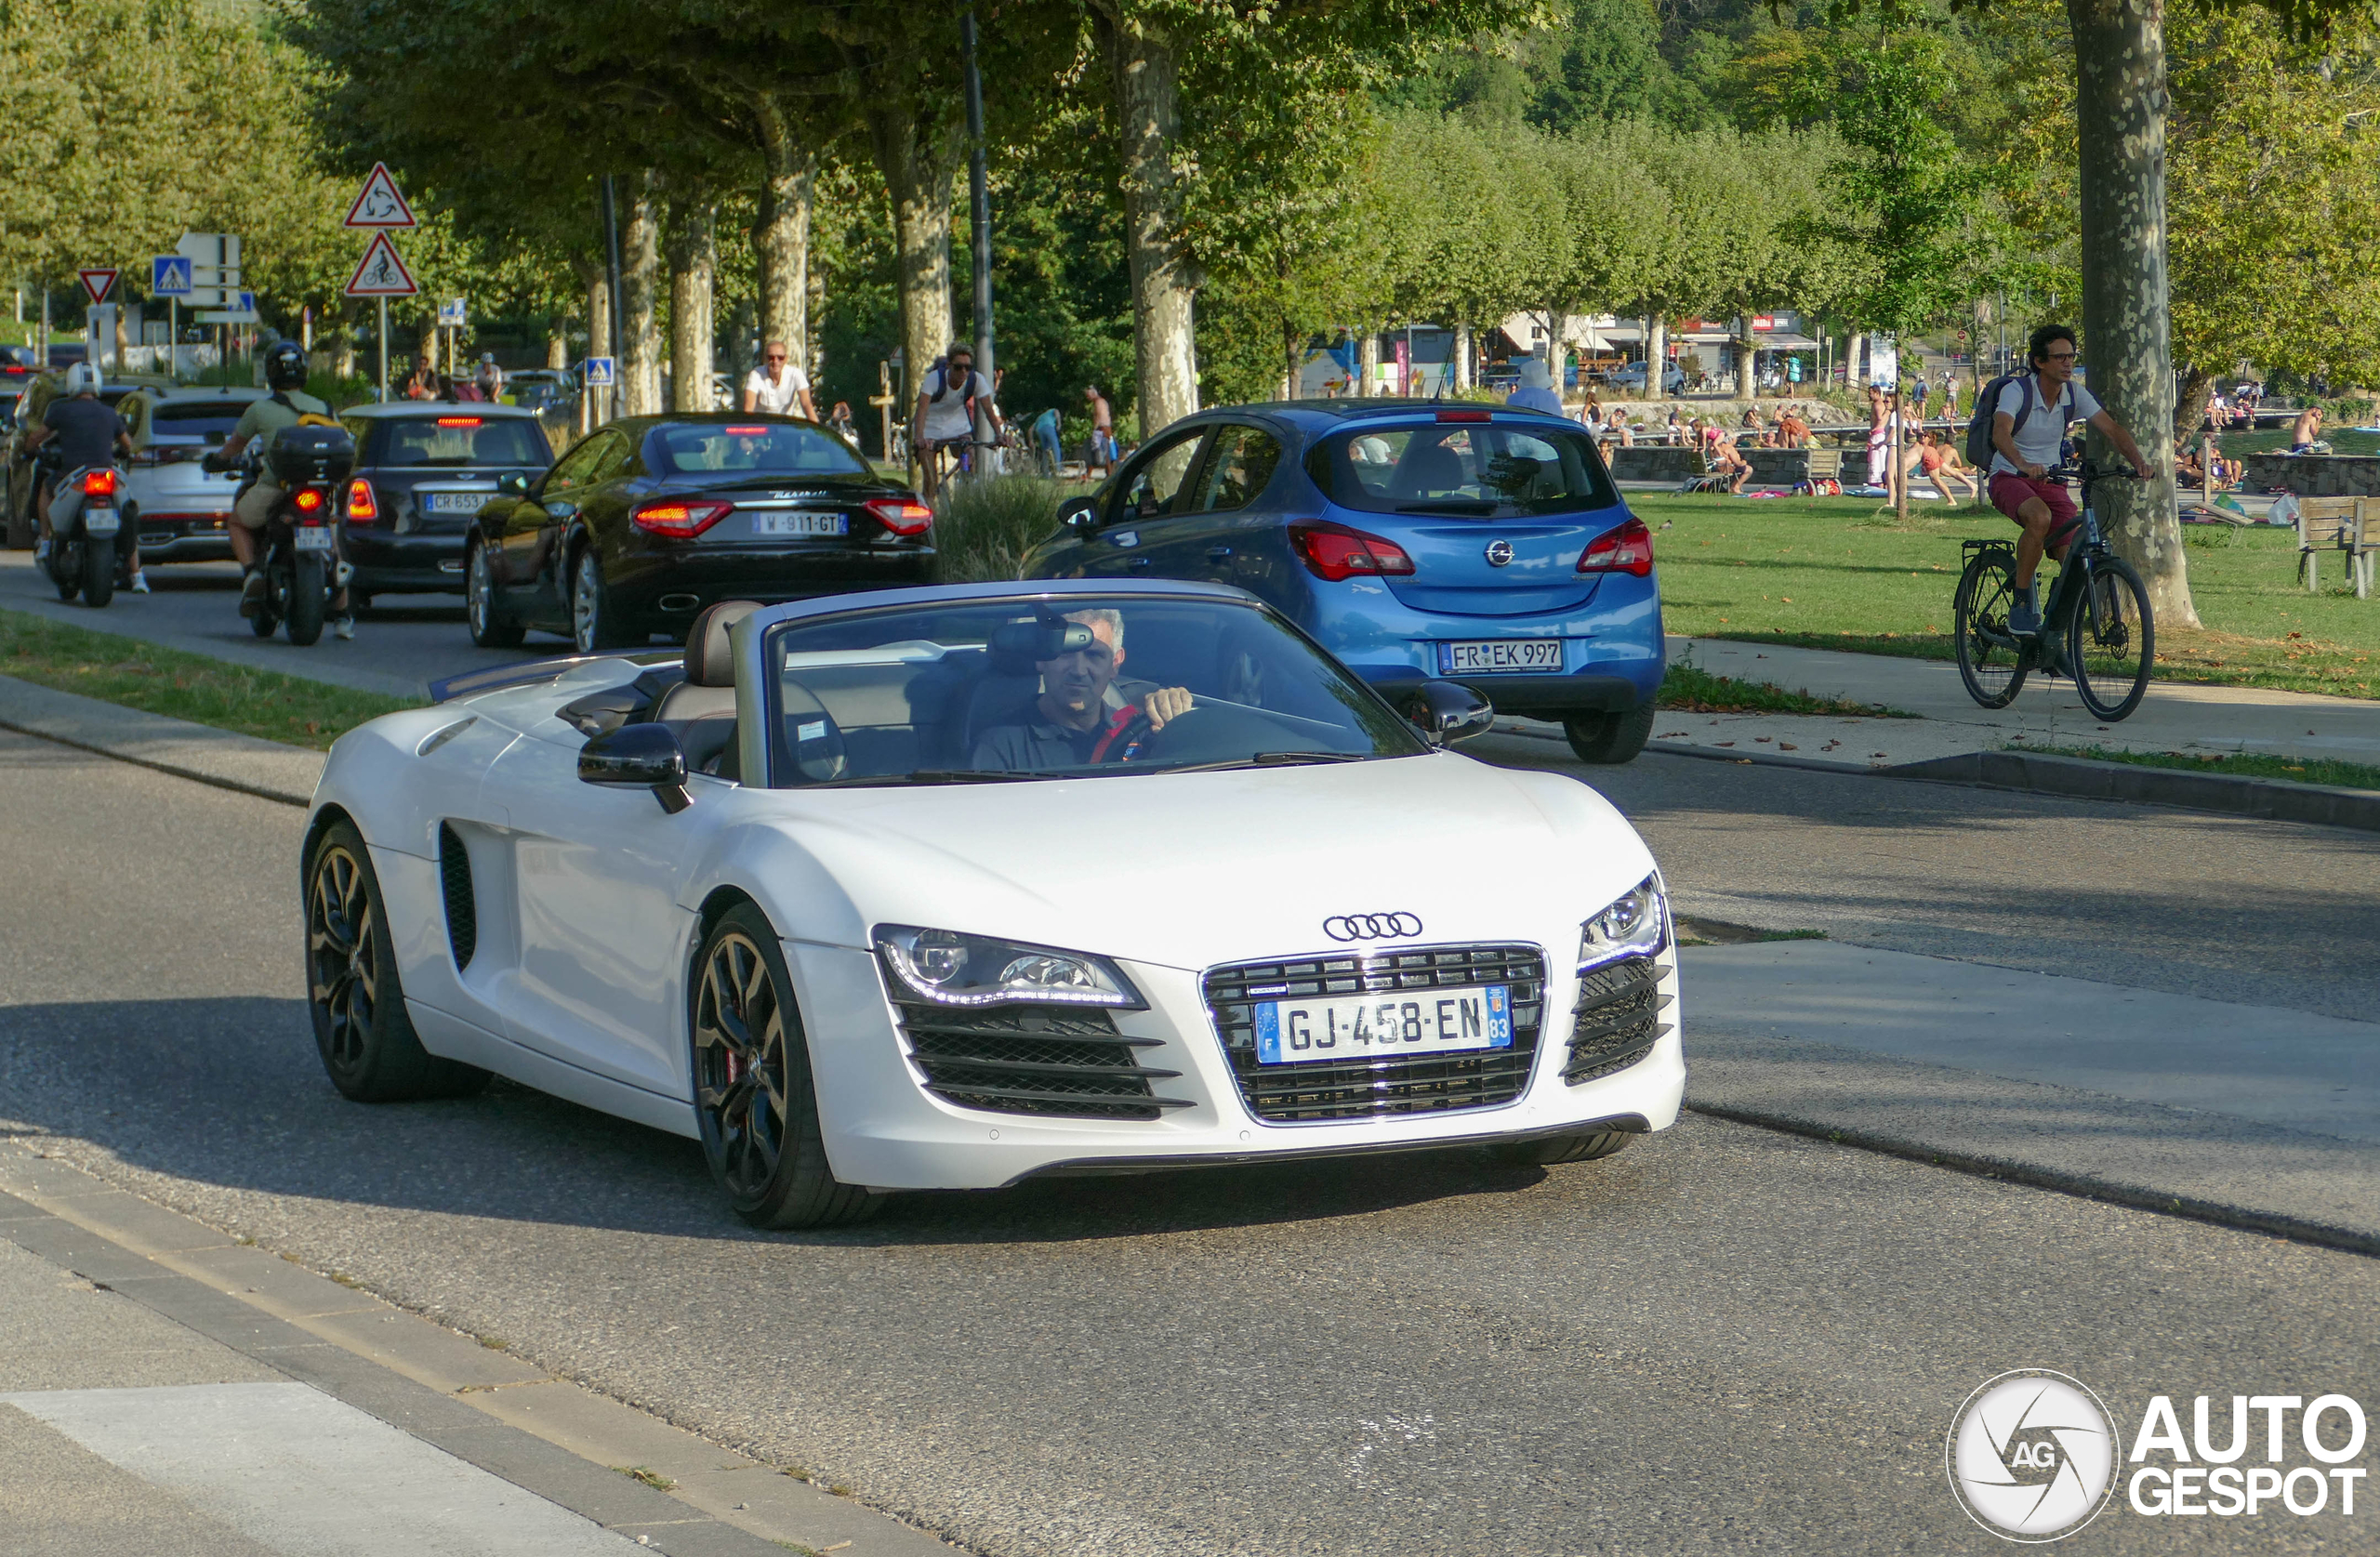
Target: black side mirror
1445,712
1080,514
513,483
639,757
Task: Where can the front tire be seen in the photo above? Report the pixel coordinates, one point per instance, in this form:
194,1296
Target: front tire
492,626
307,590
1599,737
593,620
99,571
353,990
2111,639
1584,1146
753,1092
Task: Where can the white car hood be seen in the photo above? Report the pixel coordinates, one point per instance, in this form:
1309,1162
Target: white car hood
1189,870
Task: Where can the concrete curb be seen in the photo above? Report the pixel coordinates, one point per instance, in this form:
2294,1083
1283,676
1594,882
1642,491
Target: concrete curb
248,764
2086,778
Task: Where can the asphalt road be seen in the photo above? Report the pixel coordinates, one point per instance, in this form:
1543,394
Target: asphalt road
1724,1339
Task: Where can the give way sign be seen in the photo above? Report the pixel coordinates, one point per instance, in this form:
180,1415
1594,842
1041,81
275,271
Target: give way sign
98,281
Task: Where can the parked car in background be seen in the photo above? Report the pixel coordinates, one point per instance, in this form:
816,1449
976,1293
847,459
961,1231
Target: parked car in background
1480,545
423,471
549,391
647,519
183,509
1632,377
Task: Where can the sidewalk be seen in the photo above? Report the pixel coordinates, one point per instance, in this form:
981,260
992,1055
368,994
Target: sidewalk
166,1391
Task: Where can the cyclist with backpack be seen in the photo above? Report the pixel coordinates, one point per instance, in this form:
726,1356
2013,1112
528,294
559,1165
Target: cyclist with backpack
285,376
2019,428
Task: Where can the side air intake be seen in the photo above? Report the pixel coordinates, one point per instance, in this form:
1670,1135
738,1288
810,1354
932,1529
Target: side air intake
462,906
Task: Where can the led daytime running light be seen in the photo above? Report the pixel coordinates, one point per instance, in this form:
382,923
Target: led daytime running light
1634,924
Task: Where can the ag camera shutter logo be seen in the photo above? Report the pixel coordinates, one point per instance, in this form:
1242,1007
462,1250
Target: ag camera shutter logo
2032,1456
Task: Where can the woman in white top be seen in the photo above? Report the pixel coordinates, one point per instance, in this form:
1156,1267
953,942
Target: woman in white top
776,386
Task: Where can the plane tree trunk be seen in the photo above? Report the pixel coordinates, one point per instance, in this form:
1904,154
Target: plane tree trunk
781,240
693,264
641,287
1164,278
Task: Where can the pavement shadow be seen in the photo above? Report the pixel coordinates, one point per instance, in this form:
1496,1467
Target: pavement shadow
228,1093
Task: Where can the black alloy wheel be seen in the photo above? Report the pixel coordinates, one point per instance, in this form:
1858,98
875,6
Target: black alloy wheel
753,1093
593,622
361,1026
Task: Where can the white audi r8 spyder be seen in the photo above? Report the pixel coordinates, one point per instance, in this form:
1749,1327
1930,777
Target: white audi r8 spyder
947,888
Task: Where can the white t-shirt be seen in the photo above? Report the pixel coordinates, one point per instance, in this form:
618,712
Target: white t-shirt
2038,436
946,404
779,398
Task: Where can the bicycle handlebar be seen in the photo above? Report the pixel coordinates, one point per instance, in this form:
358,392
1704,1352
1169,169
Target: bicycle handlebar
2089,472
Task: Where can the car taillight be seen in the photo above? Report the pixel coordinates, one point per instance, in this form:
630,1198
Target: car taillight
1628,549
98,483
1333,551
903,516
678,521
363,507
309,500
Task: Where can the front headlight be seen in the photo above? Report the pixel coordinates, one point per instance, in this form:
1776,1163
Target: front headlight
951,969
1637,924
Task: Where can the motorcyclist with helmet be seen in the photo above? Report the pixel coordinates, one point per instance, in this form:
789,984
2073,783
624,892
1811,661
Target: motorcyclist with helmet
91,433
285,376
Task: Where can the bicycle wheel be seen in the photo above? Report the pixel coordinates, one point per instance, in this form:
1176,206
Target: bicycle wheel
1991,661
2111,639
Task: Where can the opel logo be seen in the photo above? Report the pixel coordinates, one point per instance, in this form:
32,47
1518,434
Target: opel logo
1371,927
1499,552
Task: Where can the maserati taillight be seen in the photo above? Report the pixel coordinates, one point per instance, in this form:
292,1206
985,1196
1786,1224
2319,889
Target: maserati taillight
678,520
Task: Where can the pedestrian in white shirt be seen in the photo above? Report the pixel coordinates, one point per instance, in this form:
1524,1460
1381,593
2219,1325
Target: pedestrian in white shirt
776,386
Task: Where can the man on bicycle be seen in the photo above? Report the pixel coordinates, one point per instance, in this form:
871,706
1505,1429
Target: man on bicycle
946,411
2028,427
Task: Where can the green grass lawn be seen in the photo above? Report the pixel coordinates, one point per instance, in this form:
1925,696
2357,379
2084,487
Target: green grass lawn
1840,574
186,686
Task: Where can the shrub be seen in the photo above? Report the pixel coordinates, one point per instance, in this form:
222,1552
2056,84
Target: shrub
985,528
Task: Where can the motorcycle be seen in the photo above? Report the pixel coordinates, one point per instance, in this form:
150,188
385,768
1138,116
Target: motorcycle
83,546
302,567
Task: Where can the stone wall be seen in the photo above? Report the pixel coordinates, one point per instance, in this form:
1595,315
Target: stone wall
2315,475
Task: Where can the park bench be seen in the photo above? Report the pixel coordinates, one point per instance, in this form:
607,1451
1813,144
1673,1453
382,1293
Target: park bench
2347,524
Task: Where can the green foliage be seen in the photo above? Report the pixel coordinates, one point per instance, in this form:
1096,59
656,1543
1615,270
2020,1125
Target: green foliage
983,529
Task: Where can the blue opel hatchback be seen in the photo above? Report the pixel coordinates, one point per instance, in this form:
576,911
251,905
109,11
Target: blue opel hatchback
1416,540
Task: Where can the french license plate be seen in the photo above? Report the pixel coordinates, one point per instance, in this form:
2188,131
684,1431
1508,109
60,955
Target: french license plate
1501,654
1383,1026
801,524
314,537
453,501
98,522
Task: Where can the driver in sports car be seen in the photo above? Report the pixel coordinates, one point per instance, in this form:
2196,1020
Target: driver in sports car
1076,722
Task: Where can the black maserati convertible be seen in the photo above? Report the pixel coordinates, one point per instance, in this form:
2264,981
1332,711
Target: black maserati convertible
647,519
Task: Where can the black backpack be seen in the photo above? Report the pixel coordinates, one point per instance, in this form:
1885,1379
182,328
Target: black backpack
1986,405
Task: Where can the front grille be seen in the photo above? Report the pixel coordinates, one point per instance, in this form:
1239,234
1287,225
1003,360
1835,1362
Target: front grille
462,906
1614,1025
1365,1089
1046,1060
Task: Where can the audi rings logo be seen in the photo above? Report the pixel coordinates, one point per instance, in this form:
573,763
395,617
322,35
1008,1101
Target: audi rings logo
2032,1456
1499,552
1371,927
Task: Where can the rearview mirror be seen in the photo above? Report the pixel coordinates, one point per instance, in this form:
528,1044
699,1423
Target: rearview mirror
1080,514
1445,712
513,483
639,757
1038,640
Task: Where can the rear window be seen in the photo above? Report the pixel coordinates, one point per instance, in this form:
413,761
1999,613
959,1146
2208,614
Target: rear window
210,420
455,439
763,448
1465,470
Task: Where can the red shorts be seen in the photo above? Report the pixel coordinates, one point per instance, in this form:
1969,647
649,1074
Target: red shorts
2009,489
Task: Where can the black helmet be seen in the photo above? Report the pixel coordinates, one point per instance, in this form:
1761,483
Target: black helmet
284,365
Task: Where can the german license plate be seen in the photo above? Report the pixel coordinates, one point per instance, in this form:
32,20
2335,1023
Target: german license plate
1383,1026
314,537
1501,654
98,522
454,502
801,524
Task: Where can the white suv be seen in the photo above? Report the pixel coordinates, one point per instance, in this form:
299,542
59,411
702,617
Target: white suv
183,510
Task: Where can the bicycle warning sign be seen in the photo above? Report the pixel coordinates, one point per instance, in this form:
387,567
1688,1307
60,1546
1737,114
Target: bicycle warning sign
382,273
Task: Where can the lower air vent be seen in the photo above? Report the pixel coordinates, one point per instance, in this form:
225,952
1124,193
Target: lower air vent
1045,1060
1614,1025
462,907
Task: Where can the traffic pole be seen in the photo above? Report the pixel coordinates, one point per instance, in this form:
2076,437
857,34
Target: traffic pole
381,340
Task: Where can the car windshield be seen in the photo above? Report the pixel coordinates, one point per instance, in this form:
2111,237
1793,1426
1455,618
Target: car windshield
210,420
968,691
756,448
456,440
1464,469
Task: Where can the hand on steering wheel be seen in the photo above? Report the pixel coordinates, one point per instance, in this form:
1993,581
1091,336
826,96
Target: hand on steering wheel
1157,710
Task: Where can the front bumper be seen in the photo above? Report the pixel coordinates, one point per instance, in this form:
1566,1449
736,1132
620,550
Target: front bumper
885,1131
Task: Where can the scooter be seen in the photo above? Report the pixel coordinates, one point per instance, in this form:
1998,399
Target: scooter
302,567
82,548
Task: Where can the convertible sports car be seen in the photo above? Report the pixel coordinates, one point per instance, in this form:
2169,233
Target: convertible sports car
951,886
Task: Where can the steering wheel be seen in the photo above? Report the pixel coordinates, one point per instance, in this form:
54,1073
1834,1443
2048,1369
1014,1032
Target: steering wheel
1137,730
